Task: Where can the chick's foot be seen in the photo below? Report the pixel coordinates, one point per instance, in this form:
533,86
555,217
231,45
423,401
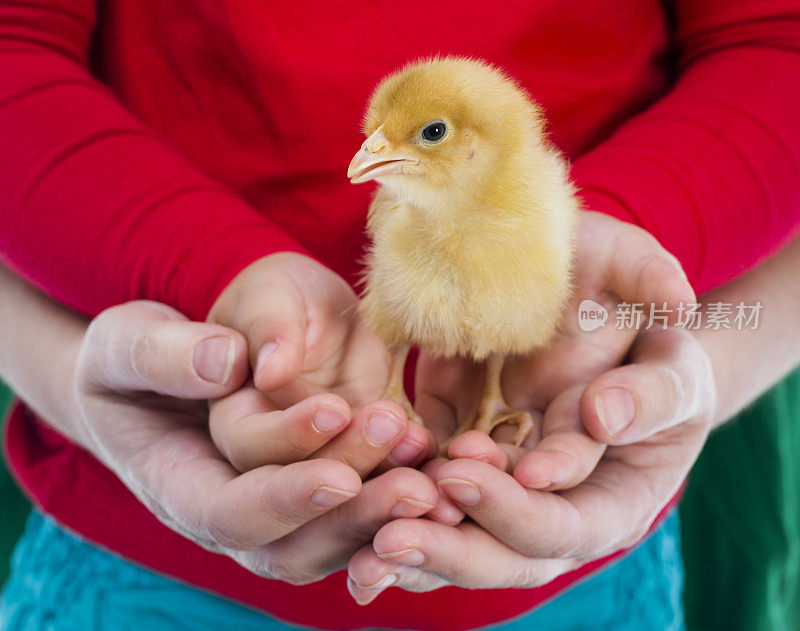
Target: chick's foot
492,409
496,413
395,391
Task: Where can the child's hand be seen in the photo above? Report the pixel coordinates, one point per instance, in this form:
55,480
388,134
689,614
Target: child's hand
314,362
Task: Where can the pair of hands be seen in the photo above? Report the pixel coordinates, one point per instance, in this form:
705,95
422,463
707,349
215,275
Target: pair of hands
280,489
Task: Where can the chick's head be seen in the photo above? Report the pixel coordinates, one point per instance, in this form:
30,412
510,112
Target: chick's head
444,125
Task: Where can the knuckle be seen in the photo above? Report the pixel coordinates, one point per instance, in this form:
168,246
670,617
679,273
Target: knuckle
238,456
226,433
652,269
561,549
531,575
357,531
356,528
287,514
346,456
395,482
671,383
219,531
638,532
634,239
295,446
238,453
141,353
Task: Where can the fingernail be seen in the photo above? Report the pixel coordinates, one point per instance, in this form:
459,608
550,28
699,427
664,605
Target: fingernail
213,359
541,484
406,451
328,419
327,496
616,409
383,427
461,491
360,595
408,507
264,355
386,581
409,556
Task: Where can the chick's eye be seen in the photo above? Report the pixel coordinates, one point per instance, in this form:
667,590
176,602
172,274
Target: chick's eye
434,132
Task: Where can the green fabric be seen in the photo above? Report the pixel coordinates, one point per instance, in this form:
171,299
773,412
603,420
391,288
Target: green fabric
13,505
741,520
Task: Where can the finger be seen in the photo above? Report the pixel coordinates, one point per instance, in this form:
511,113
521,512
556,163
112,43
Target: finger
250,432
528,521
668,380
274,323
567,454
269,308
324,545
446,510
368,576
415,446
375,430
179,475
146,346
611,511
477,445
258,507
466,556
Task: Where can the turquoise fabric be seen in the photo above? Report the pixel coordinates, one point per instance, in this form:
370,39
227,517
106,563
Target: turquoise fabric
60,582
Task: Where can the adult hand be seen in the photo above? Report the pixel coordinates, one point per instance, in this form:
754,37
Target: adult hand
615,262
314,363
524,537
137,367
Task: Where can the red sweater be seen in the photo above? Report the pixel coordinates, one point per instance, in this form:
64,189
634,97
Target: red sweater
154,149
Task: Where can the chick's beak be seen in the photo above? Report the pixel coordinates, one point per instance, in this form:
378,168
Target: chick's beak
375,159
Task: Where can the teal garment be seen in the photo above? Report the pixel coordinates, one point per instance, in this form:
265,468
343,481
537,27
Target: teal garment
741,520
59,582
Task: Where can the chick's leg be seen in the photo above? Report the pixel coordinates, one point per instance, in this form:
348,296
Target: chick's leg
493,409
395,391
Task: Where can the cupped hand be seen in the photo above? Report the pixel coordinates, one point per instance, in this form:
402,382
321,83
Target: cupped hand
317,374
615,262
142,377
522,537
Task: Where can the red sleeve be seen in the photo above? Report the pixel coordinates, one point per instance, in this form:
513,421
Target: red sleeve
94,208
713,169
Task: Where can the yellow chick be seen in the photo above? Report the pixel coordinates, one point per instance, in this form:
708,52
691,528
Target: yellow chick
471,228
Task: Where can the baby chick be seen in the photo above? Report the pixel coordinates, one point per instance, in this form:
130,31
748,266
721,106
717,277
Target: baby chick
471,228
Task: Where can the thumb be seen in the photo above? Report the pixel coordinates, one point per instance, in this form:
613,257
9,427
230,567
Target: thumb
638,268
272,317
147,346
275,327
267,306
669,381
